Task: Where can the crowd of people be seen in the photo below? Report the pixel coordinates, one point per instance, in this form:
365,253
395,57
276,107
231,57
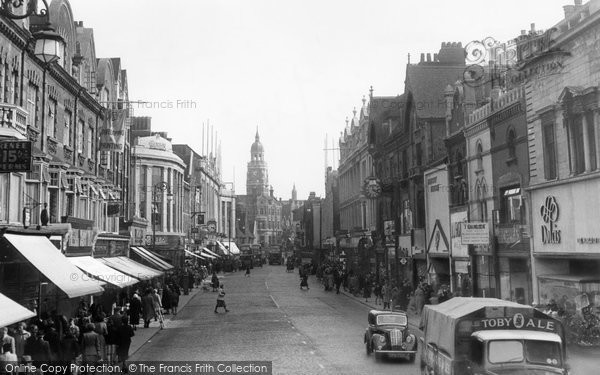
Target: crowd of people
399,296
92,335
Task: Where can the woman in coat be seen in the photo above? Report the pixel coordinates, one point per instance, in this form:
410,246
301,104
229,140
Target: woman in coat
124,335
148,308
175,293
135,309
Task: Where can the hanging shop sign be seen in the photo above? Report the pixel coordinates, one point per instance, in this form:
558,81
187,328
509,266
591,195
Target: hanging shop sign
372,187
550,214
112,133
475,234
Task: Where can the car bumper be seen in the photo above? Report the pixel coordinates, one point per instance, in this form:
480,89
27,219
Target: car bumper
395,351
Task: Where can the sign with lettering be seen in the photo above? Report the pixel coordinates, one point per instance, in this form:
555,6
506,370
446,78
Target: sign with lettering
112,133
456,220
549,212
518,322
15,156
475,234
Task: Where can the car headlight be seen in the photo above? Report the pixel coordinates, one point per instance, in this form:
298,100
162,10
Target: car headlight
409,339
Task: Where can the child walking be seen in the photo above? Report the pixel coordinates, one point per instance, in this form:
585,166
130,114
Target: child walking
221,299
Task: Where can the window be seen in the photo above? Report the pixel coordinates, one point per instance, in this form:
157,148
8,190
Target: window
591,140
15,78
578,161
479,156
51,119
511,210
67,130
511,140
32,102
549,151
505,351
80,127
90,137
419,153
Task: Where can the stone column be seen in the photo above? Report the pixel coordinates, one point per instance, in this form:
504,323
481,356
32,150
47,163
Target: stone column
149,191
596,119
586,143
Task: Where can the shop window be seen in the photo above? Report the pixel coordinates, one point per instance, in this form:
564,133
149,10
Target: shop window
511,209
578,154
549,151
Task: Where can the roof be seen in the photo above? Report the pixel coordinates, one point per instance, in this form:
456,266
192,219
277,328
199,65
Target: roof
427,83
461,306
515,334
386,312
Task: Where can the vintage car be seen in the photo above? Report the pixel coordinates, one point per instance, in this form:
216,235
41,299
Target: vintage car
388,334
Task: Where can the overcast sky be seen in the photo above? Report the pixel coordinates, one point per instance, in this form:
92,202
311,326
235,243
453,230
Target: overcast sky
293,68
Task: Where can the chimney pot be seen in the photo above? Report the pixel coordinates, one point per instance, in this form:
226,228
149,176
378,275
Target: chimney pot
459,45
533,28
429,57
523,32
578,2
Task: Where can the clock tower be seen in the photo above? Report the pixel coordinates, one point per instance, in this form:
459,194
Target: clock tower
257,178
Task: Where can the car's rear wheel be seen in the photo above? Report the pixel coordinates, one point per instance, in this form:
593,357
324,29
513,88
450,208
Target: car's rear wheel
411,358
368,348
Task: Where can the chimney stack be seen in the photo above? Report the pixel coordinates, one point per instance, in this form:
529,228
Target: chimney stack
429,57
435,57
569,11
533,28
422,57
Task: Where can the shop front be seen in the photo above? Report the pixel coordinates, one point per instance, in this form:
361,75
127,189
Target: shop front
566,253
169,246
461,282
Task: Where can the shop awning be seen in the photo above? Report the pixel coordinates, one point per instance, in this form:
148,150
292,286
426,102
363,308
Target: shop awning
205,250
47,259
194,255
233,249
223,248
207,255
131,267
12,312
103,272
152,258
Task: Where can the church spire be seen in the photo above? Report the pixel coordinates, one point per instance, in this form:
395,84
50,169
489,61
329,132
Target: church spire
257,137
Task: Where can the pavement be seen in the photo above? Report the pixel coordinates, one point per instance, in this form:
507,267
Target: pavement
145,335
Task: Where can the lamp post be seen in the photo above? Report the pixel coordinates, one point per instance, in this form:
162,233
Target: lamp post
49,45
157,191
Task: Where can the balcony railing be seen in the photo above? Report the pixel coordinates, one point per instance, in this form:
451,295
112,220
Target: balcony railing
13,120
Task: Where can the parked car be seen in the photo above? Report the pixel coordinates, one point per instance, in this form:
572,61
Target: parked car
388,334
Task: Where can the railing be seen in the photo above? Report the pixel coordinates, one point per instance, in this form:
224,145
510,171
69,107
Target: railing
13,117
480,114
509,97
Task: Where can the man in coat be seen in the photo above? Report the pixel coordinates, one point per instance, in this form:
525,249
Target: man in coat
148,308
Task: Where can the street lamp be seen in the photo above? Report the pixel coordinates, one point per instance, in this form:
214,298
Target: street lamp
157,192
49,45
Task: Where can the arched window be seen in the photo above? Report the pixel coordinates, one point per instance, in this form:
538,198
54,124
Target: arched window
459,167
479,156
511,139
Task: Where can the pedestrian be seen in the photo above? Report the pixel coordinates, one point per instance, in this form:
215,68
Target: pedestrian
135,308
37,347
175,293
419,298
367,291
386,291
69,347
338,278
101,329
247,271
158,307
221,299
148,308
378,293
20,339
6,339
215,281
124,335
304,281
90,345
166,299
8,359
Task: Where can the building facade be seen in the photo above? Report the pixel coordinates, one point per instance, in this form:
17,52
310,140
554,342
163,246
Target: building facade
563,127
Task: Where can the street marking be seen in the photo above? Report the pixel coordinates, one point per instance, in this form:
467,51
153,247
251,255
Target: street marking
321,366
304,342
266,285
275,302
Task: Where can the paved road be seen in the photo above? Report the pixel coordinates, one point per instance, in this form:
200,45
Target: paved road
302,332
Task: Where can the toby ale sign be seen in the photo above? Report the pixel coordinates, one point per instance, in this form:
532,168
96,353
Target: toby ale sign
549,212
518,322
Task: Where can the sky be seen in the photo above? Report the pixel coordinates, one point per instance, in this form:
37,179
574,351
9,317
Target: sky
293,69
